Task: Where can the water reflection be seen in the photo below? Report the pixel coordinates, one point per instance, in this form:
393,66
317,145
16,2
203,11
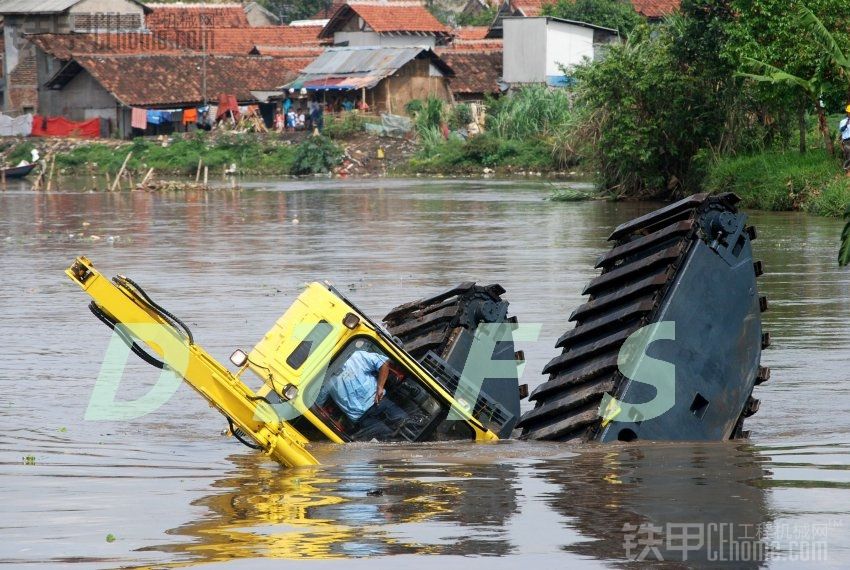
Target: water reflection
696,503
374,508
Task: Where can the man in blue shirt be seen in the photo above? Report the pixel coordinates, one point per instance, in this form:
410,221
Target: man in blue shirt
844,129
358,391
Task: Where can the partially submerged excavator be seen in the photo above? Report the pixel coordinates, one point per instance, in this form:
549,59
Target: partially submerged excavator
689,263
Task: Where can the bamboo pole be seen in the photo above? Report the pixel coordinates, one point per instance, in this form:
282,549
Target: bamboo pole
147,177
121,171
198,170
50,173
206,174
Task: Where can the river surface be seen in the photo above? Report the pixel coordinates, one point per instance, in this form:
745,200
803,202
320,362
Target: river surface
173,491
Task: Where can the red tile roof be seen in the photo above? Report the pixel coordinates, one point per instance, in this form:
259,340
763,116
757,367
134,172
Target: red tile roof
195,16
477,71
213,40
487,44
386,17
656,8
64,46
470,32
530,8
242,40
175,80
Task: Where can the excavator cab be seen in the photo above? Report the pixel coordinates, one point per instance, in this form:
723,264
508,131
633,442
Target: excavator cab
308,353
322,336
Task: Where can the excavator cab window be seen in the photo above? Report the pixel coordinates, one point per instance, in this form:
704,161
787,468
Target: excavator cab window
345,398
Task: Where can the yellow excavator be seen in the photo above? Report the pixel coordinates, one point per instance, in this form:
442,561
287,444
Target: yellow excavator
316,341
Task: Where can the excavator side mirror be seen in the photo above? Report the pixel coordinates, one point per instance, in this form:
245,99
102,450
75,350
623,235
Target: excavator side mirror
239,358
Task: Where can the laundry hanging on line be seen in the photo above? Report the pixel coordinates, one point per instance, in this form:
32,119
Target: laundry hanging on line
139,118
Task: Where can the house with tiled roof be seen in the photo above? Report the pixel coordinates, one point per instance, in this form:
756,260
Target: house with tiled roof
476,61
386,23
110,85
21,17
477,72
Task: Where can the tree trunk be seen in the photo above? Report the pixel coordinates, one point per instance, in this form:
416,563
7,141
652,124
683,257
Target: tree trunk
801,124
824,130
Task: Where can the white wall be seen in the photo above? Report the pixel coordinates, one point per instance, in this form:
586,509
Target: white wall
535,47
566,44
524,51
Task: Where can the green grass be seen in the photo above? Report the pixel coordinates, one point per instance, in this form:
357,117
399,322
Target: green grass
250,154
813,182
456,156
569,195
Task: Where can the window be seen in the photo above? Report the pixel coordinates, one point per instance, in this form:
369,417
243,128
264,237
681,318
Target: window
306,347
345,398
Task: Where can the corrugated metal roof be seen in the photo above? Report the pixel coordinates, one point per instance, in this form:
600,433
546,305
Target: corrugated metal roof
44,6
354,67
361,60
35,6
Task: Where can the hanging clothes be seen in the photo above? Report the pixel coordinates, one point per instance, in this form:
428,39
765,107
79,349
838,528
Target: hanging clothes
139,118
190,116
227,105
155,117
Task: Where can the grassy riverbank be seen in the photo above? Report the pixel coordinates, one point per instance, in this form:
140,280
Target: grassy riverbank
250,153
180,154
812,182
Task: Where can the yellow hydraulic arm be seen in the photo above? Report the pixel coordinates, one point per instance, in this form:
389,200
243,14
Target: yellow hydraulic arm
123,303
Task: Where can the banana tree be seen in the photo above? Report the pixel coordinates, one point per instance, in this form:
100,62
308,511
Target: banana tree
812,88
815,86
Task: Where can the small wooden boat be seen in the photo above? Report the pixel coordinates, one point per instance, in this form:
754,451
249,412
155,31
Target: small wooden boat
17,171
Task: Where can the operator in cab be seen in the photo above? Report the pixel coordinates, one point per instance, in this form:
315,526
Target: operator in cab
358,390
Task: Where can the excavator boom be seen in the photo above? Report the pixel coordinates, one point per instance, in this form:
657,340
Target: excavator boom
124,306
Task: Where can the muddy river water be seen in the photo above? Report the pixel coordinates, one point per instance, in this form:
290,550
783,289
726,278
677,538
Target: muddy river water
173,491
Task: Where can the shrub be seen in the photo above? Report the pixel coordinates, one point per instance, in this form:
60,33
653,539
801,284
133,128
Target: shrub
21,151
461,115
607,13
427,114
344,125
316,155
533,111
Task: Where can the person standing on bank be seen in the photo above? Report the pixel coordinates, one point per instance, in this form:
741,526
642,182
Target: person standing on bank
844,130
